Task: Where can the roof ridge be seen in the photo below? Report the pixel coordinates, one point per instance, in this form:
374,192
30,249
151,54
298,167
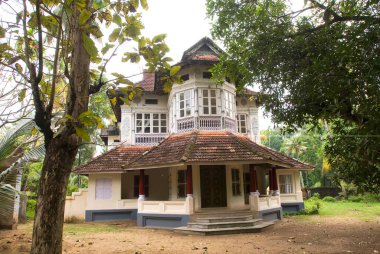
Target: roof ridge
186,154
248,147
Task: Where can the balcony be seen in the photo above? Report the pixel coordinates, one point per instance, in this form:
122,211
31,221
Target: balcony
147,139
210,123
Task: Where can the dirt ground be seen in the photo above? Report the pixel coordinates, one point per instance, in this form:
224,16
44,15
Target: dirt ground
291,235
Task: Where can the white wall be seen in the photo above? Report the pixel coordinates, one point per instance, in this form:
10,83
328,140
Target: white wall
98,204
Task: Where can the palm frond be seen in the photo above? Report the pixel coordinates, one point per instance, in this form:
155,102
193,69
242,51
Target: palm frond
10,136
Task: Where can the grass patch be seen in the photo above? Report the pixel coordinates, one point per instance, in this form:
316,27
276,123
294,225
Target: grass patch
362,211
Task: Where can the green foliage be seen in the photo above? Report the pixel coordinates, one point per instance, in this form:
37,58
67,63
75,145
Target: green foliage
312,205
31,209
365,198
329,199
272,138
311,66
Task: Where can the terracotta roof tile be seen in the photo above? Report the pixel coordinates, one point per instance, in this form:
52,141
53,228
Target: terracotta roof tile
113,160
207,146
148,81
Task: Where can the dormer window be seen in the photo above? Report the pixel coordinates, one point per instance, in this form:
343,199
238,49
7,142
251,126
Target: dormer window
185,77
209,102
151,101
185,103
207,75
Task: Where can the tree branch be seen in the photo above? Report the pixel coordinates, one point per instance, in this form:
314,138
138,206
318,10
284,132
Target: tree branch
49,107
40,46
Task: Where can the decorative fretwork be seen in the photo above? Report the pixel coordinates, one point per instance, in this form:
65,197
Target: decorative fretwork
210,123
230,124
149,139
186,124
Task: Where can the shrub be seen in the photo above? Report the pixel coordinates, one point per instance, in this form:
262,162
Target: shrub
355,198
30,209
329,199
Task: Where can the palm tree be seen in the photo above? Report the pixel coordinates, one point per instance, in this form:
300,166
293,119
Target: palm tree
13,154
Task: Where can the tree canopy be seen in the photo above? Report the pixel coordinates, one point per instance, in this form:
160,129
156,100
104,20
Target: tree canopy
321,62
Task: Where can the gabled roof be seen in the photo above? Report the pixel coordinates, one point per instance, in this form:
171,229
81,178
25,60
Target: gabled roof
211,147
113,160
204,51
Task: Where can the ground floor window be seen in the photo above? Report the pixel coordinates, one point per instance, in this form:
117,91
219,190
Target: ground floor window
286,184
136,180
103,188
235,182
181,183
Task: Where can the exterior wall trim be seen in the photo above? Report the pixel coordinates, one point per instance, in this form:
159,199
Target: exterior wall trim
110,214
162,220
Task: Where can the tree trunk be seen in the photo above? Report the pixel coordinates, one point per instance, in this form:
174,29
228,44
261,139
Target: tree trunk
61,151
48,222
22,210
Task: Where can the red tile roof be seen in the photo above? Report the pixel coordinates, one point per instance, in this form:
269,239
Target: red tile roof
205,57
148,81
113,160
210,147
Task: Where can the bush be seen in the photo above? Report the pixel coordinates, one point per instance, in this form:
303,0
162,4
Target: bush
329,199
366,198
30,209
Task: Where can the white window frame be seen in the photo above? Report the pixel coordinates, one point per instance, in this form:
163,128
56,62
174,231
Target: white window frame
103,188
150,122
240,121
286,183
188,103
209,99
229,101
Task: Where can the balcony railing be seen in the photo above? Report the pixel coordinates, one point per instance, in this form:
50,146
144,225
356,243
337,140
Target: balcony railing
211,123
149,139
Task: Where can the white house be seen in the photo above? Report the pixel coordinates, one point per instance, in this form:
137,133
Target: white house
189,152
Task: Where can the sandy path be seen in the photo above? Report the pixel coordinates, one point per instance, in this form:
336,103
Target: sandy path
291,235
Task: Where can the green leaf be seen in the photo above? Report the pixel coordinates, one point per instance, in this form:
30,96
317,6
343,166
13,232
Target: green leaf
174,70
107,15
89,45
107,47
2,32
82,133
159,38
84,16
118,75
95,31
144,4
21,94
113,101
114,35
18,67
117,19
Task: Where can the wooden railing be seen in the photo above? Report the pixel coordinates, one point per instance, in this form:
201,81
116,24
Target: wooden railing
149,139
210,123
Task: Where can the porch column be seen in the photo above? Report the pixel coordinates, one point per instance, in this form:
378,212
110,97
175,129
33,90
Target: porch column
253,180
189,181
142,185
275,184
270,181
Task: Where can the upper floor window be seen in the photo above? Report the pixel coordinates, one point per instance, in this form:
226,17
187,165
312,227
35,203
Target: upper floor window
151,101
242,123
229,101
185,103
286,184
151,123
209,101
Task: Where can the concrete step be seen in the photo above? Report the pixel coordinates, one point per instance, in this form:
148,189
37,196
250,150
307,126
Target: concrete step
230,218
224,224
223,231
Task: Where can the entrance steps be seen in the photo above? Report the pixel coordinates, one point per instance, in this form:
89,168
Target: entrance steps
219,224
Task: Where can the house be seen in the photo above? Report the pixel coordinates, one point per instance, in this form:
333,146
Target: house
192,151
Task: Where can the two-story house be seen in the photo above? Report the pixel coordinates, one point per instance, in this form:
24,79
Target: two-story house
192,151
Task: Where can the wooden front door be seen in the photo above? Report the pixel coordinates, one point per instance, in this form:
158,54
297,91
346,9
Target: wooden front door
213,186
